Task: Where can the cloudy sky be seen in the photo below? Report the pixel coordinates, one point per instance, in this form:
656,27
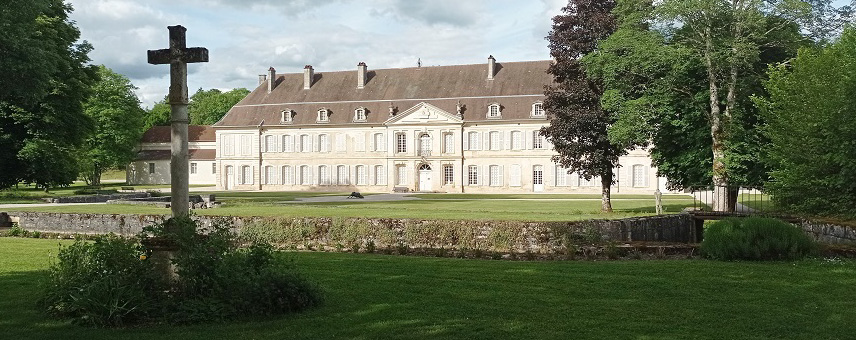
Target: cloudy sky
246,37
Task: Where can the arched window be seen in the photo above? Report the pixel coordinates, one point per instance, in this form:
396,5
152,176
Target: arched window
324,143
360,114
305,143
538,109
342,175
517,140
286,116
495,172
270,143
495,140
288,143
246,175
323,115
494,110
379,142
305,175
270,177
380,175
473,140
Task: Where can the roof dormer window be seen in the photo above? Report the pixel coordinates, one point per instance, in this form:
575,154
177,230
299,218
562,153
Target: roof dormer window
323,115
494,111
538,109
287,116
360,114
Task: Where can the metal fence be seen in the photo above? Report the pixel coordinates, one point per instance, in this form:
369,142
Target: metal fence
747,201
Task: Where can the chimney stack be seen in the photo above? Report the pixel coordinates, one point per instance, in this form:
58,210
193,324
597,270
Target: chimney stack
262,79
361,75
271,79
491,67
308,76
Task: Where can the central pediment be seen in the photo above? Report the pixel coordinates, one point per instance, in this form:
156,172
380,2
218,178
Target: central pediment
424,113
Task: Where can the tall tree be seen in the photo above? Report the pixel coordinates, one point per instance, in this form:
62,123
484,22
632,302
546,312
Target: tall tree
208,107
812,129
158,115
579,126
118,118
45,81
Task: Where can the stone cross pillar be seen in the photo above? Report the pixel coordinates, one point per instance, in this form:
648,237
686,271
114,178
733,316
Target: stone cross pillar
177,56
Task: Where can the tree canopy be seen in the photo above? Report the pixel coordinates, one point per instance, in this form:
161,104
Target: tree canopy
118,118
207,107
578,124
811,126
46,79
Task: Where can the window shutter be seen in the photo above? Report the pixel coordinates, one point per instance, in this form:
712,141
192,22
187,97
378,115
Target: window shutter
252,175
501,176
507,142
361,141
482,170
485,141
327,146
316,145
466,138
298,143
527,140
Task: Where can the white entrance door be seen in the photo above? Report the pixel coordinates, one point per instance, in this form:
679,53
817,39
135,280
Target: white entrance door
425,177
229,178
538,178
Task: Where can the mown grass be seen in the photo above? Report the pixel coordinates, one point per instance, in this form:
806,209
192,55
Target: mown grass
268,204
372,296
30,194
541,196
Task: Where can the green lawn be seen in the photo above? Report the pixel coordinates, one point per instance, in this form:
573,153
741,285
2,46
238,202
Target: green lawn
391,297
757,201
272,204
31,194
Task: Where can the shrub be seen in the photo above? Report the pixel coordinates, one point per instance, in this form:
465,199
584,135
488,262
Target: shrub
103,283
755,238
109,283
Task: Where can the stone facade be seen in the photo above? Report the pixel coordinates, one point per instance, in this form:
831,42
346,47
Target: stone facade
453,129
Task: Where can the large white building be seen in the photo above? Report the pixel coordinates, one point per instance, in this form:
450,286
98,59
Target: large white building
462,128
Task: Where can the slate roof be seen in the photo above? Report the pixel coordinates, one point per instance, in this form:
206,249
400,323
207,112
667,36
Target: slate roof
516,86
158,155
195,133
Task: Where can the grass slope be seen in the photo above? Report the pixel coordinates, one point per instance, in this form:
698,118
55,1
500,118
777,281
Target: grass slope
391,297
271,204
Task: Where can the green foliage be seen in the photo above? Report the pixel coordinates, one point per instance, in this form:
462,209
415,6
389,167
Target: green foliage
45,82
579,126
755,238
103,283
157,115
114,281
219,280
812,128
208,107
118,118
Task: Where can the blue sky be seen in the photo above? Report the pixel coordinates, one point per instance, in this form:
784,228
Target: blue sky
244,38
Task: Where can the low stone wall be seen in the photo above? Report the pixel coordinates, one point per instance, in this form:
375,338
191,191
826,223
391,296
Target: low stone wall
830,233
96,198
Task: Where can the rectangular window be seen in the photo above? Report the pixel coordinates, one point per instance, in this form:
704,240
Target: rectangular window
495,176
323,175
305,143
287,175
379,142
538,110
193,168
362,176
270,144
324,143
151,168
473,138
538,175
495,140
229,145
561,176
246,145
639,176
537,140
515,175
401,143
380,175
402,175
448,174
269,175
449,143
247,175
288,143
473,175
516,140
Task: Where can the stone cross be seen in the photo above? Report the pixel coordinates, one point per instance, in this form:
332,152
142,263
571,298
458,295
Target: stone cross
177,56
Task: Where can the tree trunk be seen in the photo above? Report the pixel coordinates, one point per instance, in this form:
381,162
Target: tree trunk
606,187
720,179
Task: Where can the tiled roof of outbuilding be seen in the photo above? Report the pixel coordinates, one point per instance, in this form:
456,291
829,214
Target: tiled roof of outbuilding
516,85
195,133
195,154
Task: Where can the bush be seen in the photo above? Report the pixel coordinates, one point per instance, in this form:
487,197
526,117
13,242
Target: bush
103,283
755,238
109,283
